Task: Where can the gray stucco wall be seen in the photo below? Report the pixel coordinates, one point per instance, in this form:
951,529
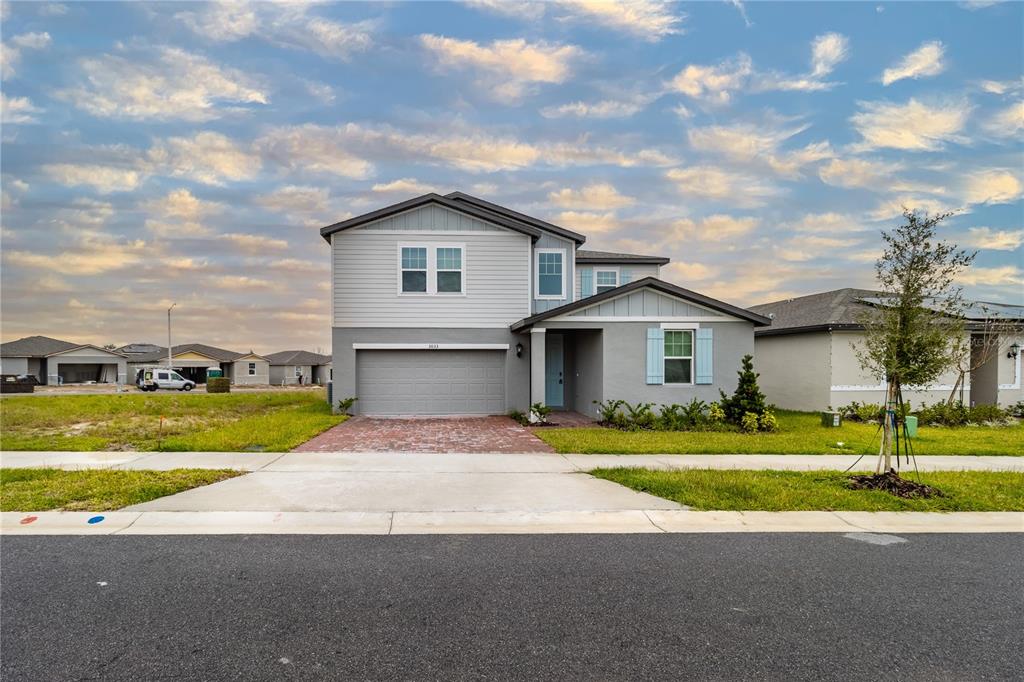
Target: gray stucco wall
14,366
795,369
284,375
240,372
588,371
517,369
53,365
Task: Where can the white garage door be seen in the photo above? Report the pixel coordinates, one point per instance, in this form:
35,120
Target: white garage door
413,382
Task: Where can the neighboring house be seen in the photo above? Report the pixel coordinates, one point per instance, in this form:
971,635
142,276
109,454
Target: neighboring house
193,360
807,357
53,361
299,367
454,305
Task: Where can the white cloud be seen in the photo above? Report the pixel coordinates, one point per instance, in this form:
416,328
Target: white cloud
17,109
410,186
713,228
914,126
588,221
525,9
922,62
174,85
650,20
601,109
254,243
712,182
683,272
207,157
715,83
827,51
92,254
1008,122
824,223
809,247
1002,87
32,41
182,204
239,282
1004,275
53,9
857,172
222,21
741,8
595,196
995,240
316,148
508,68
759,145
993,186
105,179
893,208
10,52
301,204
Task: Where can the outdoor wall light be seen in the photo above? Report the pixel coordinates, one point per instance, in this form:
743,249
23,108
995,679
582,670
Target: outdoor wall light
1014,350
519,350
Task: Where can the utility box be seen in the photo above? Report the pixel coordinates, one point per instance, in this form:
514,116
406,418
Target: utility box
911,426
212,372
831,419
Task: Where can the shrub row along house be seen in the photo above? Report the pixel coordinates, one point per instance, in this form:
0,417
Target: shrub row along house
53,361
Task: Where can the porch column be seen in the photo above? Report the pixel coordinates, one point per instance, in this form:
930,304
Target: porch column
538,355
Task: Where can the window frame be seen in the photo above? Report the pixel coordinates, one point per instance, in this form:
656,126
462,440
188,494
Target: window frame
691,357
614,271
252,369
298,370
432,269
536,275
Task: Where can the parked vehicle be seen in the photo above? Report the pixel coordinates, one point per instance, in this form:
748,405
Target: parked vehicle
151,379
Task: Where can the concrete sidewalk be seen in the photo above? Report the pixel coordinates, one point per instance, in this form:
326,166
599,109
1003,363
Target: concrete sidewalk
408,523
368,462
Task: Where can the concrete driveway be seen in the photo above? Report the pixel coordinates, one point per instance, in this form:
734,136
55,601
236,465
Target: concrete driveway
396,482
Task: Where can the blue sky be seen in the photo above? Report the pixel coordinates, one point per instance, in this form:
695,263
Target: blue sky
188,152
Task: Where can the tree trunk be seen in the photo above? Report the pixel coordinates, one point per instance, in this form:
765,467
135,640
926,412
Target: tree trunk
887,427
956,386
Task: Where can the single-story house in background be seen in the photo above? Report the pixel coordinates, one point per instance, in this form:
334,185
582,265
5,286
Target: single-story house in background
53,361
289,367
192,360
807,359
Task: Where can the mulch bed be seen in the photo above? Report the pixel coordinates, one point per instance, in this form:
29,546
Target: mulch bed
892,483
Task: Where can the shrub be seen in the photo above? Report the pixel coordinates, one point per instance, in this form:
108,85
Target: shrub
747,398
861,412
716,414
768,422
687,417
218,385
1017,409
519,416
640,417
539,413
750,422
610,415
346,404
958,414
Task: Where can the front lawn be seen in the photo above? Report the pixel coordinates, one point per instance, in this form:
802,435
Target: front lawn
224,422
739,490
800,433
96,490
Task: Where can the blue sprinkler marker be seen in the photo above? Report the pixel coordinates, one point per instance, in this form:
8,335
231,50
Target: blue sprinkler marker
95,519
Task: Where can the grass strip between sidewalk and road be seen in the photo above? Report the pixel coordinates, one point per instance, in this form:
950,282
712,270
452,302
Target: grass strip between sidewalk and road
800,433
175,422
742,490
96,490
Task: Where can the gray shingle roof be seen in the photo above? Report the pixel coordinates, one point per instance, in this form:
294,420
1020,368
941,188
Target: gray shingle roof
841,308
35,347
160,353
586,256
297,357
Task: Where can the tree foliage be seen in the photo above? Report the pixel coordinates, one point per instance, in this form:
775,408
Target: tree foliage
747,398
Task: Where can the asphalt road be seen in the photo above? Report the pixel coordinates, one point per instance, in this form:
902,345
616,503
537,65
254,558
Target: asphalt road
721,607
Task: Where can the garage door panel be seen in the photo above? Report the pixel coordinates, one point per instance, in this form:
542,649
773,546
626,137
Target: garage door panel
397,382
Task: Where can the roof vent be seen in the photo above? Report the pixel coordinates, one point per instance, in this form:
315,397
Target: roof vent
771,316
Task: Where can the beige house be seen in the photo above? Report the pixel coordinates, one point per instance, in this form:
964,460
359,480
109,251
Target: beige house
807,358
195,360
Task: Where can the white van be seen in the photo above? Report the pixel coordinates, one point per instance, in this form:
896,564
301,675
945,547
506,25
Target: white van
153,378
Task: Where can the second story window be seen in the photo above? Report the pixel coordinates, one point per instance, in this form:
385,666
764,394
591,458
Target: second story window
604,280
414,269
449,270
551,273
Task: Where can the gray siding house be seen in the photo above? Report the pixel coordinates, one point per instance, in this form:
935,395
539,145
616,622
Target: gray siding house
452,305
193,360
294,367
53,361
807,356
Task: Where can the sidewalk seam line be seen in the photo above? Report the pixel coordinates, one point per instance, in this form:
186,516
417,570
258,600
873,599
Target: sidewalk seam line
648,517
273,461
391,522
138,515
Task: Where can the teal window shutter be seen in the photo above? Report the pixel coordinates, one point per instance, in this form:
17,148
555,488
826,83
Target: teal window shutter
586,282
625,276
655,355
705,356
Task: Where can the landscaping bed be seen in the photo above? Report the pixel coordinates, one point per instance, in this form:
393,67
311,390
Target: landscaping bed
741,490
96,490
271,422
799,433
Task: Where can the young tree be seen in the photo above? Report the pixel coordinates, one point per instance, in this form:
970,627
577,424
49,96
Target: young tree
747,398
909,333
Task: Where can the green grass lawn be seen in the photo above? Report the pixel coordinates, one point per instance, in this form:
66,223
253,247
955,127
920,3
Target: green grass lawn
800,433
739,490
96,490
227,422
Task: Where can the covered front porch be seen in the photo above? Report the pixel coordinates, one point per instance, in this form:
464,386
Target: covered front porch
568,375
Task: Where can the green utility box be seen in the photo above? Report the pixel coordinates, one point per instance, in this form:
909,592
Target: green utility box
212,372
831,419
911,426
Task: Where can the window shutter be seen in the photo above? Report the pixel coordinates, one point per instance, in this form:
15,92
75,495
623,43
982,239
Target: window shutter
586,282
625,276
705,356
655,355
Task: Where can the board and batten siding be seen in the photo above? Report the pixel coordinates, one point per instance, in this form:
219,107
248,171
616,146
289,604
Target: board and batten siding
645,303
550,241
638,271
497,266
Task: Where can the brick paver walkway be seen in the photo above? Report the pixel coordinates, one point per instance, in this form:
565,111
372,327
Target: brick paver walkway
467,434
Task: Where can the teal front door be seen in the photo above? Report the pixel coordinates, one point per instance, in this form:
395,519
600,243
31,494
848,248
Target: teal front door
554,366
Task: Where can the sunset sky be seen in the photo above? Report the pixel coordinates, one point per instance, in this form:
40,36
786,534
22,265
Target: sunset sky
185,152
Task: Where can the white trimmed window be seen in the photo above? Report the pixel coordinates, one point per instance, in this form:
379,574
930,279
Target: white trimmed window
252,369
298,371
550,267
678,356
605,280
414,269
449,270
432,269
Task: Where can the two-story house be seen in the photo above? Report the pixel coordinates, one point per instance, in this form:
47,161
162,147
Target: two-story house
452,305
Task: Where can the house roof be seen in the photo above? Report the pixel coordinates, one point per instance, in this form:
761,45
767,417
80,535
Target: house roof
838,309
297,357
609,257
219,354
136,348
432,198
651,283
35,347
88,345
464,198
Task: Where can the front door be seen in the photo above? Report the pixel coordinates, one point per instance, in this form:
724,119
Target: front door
554,383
